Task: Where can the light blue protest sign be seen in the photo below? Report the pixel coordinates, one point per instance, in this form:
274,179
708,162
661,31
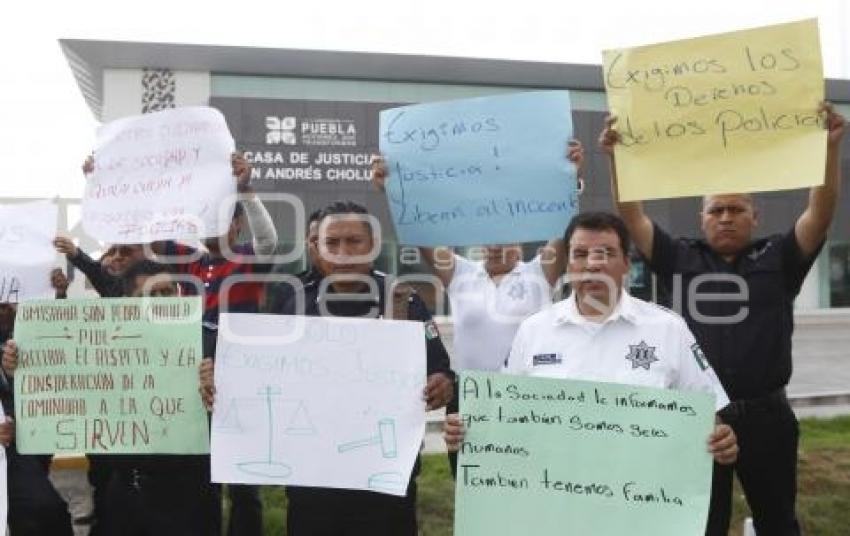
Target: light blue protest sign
488,170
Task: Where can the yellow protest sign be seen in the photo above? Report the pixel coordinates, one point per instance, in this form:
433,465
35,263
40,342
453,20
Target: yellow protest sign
726,113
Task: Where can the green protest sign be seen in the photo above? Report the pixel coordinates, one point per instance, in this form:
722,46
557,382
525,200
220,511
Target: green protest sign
548,457
109,376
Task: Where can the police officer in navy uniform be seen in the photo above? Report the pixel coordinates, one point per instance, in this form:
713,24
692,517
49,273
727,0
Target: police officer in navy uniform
350,287
745,329
278,293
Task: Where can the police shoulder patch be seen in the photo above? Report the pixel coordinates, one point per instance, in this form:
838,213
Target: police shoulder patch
431,331
699,356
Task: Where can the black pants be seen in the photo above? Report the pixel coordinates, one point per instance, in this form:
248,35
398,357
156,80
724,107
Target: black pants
453,407
173,503
246,511
98,476
246,508
768,437
35,507
332,512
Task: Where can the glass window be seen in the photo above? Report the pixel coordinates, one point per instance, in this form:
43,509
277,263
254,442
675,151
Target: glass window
839,275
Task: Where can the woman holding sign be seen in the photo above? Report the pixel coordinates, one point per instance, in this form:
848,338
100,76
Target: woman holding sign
490,297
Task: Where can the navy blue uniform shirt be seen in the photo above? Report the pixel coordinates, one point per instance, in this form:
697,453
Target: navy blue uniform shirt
751,355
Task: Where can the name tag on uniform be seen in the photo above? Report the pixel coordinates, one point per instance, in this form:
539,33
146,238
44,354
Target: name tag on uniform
547,359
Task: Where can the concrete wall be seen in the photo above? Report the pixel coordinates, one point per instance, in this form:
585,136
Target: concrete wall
124,92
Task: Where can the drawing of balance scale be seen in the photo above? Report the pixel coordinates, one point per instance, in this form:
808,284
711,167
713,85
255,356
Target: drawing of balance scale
268,467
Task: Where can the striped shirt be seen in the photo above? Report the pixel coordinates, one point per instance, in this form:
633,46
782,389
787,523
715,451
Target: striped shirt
215,274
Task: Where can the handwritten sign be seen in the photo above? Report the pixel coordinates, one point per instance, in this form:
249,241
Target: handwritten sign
549,457
161,176
339,405
728,113
26,240
109,376
493,167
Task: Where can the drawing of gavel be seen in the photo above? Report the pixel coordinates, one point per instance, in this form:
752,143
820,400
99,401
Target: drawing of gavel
385,438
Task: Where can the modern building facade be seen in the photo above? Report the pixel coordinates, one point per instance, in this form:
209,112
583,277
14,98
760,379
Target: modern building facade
308,121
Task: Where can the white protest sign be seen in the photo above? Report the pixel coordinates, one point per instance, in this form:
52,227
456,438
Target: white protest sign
26,240
161,176
334,402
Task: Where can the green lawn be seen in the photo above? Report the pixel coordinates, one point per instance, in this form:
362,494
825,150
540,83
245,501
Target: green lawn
823,502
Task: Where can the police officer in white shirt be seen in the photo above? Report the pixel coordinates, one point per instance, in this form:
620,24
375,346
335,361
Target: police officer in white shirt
601,333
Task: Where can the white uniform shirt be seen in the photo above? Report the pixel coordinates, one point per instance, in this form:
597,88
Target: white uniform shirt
486,314
639,344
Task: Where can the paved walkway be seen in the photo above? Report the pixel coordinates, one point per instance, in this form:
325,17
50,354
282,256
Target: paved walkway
74,487
821,354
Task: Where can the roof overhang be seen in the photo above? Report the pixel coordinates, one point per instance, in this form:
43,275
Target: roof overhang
89,58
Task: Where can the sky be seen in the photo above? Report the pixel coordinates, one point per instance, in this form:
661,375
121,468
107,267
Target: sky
46,129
